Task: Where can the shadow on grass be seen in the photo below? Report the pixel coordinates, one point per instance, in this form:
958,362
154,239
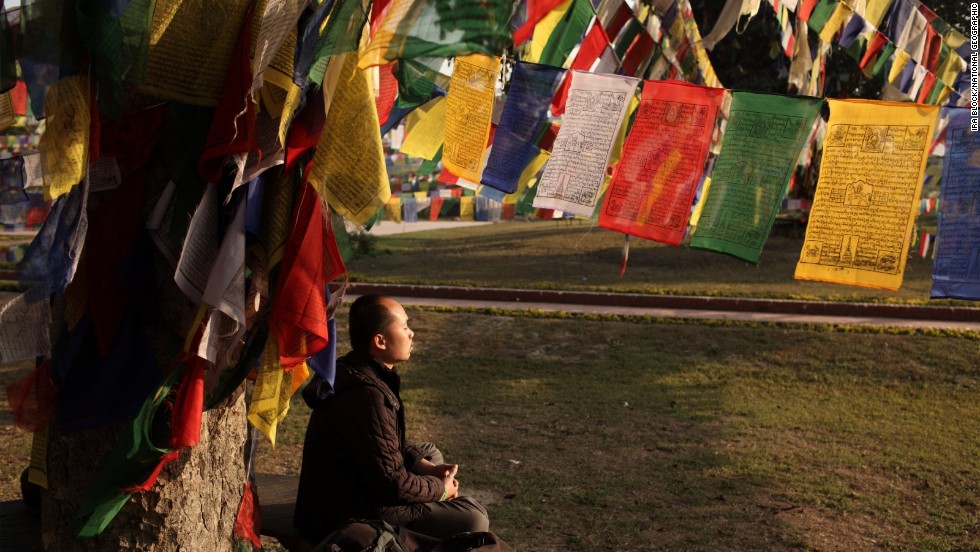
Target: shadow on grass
596,436
590,442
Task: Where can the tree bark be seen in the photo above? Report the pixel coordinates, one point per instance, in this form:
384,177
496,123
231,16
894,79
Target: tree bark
194,503
192,507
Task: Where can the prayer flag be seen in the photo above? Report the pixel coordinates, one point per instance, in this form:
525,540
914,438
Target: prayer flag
349,165
653,185
469,106
64,144
758,154
426,28
190,44
573,177
924,241
567,33
870,182
424,138
536,11
956,273
525,110
310,261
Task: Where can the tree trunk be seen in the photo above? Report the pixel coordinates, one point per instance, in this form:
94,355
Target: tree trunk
194,503
192,507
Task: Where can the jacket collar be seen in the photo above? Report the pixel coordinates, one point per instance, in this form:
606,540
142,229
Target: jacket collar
363,369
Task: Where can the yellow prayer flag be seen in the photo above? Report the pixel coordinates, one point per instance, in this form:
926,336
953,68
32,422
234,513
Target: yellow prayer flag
273,388
349,165
393,209
543,30
425,137
874,10
839,16
400,16
289,109
898,64
617,150
951,67
466,209
528,174
420,195
6,112
696,213
64,144
469,106
191,42
868,193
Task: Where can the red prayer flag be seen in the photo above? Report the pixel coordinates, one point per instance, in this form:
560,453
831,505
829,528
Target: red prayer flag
663,158
310,261
877,43
185,419
249,518
387,91
592,46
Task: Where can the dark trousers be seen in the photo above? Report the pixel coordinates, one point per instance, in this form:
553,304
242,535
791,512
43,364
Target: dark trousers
444,519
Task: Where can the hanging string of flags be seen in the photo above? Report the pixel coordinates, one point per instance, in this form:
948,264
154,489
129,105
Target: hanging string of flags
213,145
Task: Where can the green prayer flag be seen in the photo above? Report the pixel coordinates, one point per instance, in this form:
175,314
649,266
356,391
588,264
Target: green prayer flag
821,13
130,462
759,151
440,28
856,49
430,166
342,34
416,80
884,59
568,33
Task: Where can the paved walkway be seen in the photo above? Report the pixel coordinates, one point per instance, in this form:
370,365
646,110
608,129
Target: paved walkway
387,227
710,308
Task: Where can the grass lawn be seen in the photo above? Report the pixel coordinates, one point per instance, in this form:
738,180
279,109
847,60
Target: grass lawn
588,435
578,255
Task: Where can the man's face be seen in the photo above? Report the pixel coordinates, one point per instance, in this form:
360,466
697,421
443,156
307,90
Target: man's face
395,343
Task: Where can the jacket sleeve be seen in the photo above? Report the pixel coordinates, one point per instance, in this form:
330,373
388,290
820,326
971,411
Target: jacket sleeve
374,438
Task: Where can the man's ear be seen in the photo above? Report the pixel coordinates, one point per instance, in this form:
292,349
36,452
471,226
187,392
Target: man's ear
378,341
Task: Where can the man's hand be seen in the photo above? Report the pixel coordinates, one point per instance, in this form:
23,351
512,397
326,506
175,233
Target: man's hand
449,480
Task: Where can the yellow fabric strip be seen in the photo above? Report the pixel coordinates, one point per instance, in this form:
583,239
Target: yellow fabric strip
868,193
426,134
469,106
191,42
400,16
349,165
466,209
393,209
543,30
64,144
840,16
874,10
898,64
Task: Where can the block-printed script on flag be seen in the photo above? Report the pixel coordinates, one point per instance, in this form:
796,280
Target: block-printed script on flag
867,195
956,273
759,151
594,112
469,106
653,187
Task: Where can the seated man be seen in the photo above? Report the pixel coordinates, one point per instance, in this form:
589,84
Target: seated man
355,460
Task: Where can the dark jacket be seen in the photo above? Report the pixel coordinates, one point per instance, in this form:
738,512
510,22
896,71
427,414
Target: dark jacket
355,460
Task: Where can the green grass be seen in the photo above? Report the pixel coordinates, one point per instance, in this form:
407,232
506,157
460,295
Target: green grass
638,435
559,255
